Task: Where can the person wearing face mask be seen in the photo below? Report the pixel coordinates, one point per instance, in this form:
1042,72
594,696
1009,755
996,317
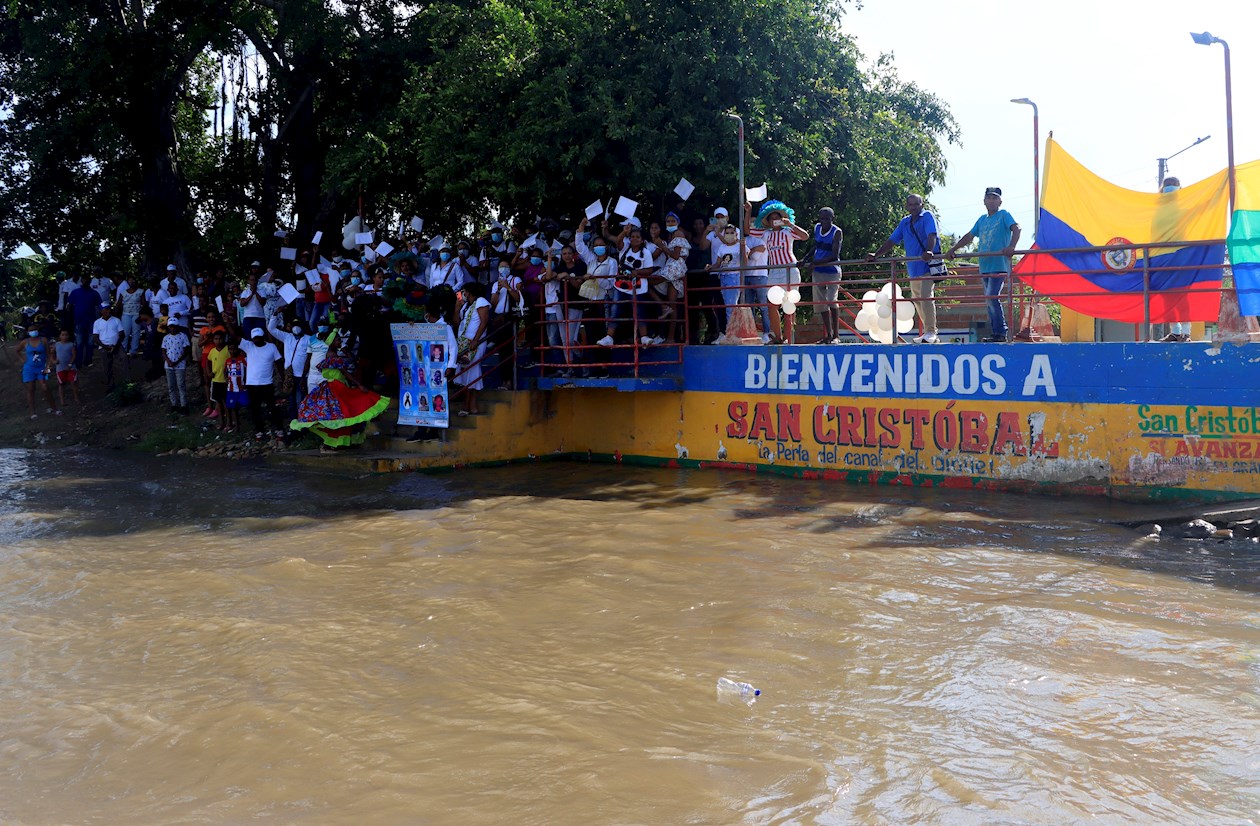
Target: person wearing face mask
563,320
631,286
726,254
1177,330
293,344
703,296
495,247
446,269
601,274
36,368
505,296
532,290
674,248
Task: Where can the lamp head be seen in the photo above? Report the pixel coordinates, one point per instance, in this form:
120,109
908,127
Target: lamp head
1203,38
1021,100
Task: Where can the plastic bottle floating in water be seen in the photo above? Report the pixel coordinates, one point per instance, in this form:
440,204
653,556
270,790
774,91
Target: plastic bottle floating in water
730,689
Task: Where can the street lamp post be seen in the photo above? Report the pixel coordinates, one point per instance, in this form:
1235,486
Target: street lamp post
1206,39
1231,322
1163,162
1036,165
741,196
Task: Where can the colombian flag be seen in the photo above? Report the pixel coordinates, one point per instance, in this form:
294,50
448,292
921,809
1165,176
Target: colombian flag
1079,209
1244,238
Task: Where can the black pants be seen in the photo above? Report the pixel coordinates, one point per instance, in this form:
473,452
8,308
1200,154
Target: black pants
262,406
704,299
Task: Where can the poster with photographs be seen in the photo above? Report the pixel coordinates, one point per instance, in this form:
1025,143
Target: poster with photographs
422,392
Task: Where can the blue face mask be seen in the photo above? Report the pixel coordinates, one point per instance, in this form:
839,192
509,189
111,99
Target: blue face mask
1170,189
535,260
201,280
505,272
33,333
444,255
496,237
601,250
586,236
674,228
323,329
463,253
356,280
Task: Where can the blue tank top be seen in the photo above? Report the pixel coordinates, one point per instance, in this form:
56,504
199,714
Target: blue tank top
37,356
826,247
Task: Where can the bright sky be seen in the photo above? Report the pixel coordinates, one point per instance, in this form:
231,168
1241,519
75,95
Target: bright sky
1119,82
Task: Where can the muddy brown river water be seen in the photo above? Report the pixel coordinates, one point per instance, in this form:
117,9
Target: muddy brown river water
194,642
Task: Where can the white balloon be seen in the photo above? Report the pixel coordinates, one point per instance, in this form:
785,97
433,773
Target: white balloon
905,325
882,336
789,308
887,289
884,322
794,295
775,294
883,310
870,295
905,310
864,321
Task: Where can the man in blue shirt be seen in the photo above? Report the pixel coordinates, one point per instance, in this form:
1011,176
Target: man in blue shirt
917,234
85,304
998,234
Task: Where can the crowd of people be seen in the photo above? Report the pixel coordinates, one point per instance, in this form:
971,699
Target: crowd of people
303,342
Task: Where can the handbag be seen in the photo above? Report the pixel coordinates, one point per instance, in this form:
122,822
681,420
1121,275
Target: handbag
590,290
936,269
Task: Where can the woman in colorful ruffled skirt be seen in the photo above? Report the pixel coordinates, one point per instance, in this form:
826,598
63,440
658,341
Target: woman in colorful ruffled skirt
339,409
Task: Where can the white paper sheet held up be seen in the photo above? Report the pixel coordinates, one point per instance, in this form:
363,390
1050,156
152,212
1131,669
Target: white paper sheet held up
317,237
312,277
218,302
625,207
363,238
280,233
417,223
757,194
383,249
594,210
288,293
288,253
684,189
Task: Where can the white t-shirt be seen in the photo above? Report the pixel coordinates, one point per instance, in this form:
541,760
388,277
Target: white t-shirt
721,251
250,305
183,285
260,362
317,349
109,330
715,242
63,291
104,287
177,305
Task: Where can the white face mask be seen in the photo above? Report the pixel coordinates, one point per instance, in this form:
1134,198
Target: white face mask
297,331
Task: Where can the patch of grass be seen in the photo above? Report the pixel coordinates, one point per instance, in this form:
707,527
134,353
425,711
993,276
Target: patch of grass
125,394
175,437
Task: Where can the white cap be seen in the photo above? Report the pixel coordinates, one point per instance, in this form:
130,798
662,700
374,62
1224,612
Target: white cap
634,222
256,332
170,268
721,211
255,263
106,306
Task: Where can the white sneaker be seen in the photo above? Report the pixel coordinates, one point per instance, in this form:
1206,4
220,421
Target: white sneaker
646,341
657,340
765,338
606,341
931,338
920,339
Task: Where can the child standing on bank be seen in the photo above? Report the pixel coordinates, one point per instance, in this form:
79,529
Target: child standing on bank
237,397
67,369
216,368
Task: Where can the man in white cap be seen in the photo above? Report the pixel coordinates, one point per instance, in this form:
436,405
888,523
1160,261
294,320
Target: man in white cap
261,356
172,274
107,332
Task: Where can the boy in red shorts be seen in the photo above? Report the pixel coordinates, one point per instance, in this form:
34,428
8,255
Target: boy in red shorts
67,370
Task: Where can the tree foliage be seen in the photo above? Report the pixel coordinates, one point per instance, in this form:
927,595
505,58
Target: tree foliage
157,130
